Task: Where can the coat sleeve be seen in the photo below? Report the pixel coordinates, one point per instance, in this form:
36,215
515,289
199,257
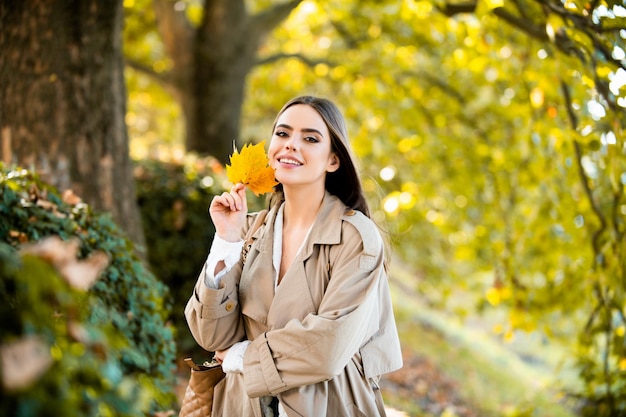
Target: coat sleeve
320,346
214,315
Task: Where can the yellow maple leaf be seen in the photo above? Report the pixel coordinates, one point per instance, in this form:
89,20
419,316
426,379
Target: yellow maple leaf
251,168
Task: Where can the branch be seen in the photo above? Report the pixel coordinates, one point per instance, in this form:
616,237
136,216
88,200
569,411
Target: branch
583,176
588,27
175,30
522,9
352,42
609,29
617,198
606,357
458,8
445,87
537,31
306,60
264,22
162,78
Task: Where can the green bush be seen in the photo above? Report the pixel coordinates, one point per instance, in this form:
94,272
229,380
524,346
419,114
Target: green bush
174,198
127,365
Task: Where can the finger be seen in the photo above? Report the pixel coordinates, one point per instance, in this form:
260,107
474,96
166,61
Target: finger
239,193
235,198
230,201
217,203
243,200
236,201
224,201
237,187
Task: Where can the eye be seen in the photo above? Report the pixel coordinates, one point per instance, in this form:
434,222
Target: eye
311,139
281,133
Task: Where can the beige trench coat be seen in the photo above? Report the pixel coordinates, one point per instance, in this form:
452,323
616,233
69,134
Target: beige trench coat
319,343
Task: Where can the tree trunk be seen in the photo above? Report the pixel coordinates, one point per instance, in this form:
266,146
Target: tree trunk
63,100
225,53
211,63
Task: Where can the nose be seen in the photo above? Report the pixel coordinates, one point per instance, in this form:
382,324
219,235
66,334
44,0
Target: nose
291,143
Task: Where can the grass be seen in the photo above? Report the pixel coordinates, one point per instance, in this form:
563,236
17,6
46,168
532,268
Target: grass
494,379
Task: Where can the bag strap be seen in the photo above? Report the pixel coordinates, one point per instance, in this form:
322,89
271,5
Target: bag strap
203,366
258,221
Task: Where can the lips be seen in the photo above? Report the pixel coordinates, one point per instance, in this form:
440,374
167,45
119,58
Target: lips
289,161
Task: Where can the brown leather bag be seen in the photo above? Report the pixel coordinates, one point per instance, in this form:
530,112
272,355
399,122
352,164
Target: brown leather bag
198,399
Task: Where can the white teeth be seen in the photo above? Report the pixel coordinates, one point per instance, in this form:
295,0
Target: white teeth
290,162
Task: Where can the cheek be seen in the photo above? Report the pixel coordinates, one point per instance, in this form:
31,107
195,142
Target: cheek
271,149
271,152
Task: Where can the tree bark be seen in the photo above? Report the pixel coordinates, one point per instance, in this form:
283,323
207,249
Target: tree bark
220,70
63,100
211,63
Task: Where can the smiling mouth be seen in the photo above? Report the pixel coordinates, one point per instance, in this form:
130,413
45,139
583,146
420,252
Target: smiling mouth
289,161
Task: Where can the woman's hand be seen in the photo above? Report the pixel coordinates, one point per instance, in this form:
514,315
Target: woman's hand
228,212
220,355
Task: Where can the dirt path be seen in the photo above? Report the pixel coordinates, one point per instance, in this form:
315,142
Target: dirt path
423,384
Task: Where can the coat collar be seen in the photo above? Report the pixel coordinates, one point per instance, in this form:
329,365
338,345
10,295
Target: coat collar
326,229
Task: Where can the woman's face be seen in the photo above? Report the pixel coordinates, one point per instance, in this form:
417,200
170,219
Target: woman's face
300,149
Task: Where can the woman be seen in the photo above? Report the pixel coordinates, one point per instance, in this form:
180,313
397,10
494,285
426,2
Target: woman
305,326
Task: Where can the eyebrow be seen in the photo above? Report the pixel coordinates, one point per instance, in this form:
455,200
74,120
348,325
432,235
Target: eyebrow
306,129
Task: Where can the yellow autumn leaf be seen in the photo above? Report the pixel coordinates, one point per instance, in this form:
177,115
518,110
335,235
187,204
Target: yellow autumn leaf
251,168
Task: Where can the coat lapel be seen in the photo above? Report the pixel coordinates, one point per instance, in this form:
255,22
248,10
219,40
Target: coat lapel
256,288
293,297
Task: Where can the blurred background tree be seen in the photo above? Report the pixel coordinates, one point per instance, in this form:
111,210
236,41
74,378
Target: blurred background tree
208,50
490,134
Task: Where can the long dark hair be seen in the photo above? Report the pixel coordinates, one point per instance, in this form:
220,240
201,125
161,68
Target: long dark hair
345,183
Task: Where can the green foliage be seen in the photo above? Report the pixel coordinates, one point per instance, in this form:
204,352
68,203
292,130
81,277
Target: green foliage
127,364
80,359
174,198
